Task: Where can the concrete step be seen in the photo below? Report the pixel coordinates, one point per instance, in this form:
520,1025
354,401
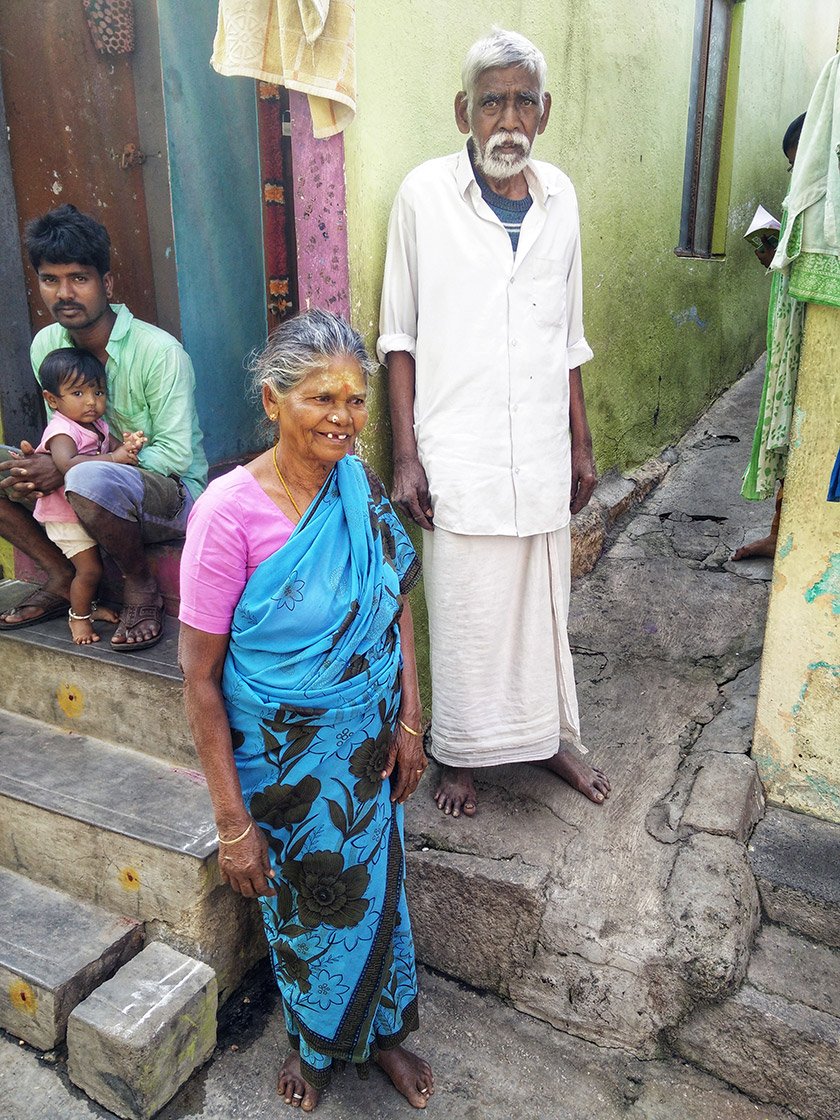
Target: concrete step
126,831
54,950
133,699
796,862
778,1038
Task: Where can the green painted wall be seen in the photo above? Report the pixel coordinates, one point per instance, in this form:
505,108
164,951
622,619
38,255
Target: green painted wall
668,333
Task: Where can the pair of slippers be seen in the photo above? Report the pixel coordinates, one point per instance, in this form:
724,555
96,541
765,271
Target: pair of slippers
56,606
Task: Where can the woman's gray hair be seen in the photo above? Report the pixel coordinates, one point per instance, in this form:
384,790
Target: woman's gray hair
497,51
306,342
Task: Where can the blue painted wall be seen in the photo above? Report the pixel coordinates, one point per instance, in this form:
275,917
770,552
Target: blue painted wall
211,126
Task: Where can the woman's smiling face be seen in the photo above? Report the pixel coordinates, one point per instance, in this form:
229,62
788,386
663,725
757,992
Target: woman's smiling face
318,420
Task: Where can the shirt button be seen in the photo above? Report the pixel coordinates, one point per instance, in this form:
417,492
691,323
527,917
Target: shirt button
515,407
516,470
512,279
513,342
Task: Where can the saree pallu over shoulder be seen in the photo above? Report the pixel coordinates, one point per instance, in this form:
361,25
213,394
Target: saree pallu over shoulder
311,684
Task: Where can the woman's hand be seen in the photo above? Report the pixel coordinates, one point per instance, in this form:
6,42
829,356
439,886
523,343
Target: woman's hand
245,866
407,756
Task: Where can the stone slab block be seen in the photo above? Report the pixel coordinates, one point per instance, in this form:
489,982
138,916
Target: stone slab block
785,964
134,699
54,951
773,1049
726,799
473,918
139,1037
796,861
712,901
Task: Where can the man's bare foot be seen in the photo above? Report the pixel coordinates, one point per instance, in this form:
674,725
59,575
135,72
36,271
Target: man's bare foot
410,1074
764,547
292,1087
588,780
455,793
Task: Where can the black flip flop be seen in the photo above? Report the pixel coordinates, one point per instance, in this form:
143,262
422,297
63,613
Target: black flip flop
129,618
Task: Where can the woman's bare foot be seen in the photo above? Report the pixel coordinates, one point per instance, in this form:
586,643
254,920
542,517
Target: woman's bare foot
766,546
588,780
455,793
292,1087
410,1075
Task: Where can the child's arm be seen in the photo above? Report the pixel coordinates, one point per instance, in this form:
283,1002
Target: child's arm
65,454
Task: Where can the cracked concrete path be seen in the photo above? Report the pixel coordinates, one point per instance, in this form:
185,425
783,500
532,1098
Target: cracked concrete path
491,1063
615,920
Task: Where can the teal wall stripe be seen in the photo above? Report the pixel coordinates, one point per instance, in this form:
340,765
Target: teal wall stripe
211,126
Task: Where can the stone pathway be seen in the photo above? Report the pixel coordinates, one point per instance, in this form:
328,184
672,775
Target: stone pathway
610,922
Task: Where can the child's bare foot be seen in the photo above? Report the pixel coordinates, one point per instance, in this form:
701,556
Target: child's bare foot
81,629
410,1074
103,614
292,1088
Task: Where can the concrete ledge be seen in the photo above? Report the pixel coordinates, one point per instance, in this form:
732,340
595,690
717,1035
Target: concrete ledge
54,951
796,863
614,495
135,1041
490,909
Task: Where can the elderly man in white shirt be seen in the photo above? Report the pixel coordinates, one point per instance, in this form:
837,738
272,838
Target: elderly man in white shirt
482,331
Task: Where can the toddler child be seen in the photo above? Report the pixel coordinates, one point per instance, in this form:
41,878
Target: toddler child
74,384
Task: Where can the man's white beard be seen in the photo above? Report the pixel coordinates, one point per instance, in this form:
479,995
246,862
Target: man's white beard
494,164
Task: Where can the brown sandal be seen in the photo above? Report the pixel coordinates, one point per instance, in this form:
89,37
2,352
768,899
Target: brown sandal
52,606
130,616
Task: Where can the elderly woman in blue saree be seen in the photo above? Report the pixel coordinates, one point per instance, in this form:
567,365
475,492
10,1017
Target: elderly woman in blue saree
301,692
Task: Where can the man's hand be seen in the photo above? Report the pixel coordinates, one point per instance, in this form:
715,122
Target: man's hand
30,475
584,475
410,492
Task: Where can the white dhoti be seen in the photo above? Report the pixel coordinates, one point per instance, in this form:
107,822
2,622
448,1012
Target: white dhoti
503,683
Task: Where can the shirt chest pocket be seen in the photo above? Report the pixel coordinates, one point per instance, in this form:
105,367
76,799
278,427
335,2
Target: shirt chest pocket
547,290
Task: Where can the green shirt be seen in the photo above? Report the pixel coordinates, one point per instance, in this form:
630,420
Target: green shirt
151,388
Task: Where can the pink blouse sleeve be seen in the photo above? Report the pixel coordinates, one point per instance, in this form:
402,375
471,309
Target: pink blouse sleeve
214,563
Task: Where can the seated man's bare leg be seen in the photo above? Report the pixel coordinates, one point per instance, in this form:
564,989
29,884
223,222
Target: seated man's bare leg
409,1074
766,546
20,529
455,793
292,1087
123,540
588,780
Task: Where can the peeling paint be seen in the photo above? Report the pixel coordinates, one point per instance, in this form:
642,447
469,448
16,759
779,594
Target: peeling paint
689,315
784,550
828,584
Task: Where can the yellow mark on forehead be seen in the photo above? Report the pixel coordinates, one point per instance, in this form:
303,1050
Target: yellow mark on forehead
342,377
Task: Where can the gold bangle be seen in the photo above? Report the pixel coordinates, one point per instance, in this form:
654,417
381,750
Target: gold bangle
405,727
238,838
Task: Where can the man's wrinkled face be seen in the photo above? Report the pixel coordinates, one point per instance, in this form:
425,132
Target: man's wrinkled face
504,118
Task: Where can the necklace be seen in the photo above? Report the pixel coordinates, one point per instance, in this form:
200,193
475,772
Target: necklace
285,487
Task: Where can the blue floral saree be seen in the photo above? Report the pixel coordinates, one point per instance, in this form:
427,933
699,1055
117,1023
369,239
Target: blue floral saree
311,685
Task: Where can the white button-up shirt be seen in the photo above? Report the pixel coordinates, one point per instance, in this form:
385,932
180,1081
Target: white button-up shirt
494,337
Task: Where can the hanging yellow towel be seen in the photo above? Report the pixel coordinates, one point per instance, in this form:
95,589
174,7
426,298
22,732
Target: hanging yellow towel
306,45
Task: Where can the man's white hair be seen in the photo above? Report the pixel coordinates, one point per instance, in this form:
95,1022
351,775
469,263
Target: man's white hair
499,50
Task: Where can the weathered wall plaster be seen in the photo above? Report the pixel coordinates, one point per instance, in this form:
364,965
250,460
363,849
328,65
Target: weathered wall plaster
668,333
797,733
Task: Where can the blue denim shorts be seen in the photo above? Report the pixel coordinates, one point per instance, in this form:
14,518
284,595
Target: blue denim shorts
159,503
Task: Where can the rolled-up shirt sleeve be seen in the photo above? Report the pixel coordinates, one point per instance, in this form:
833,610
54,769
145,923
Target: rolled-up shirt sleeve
578,350
398,311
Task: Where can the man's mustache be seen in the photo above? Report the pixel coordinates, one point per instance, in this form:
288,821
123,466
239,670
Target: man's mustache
67,307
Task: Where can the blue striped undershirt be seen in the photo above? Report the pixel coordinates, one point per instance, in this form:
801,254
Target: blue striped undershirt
510,211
